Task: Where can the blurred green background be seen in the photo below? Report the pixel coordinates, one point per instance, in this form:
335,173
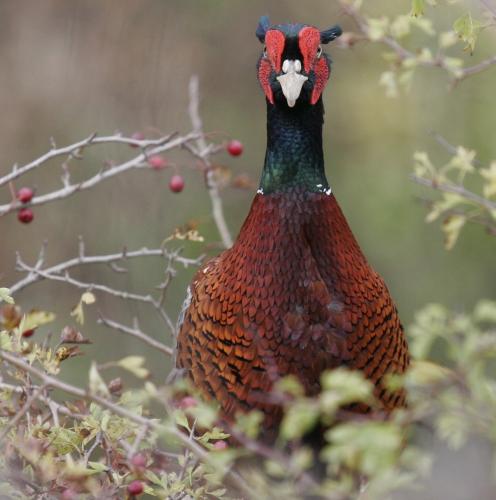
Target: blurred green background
72,68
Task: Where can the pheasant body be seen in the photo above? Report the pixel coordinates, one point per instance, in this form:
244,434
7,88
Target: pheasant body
294,295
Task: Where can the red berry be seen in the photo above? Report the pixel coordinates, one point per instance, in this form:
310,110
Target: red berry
220,445
234,147
68,494
25,215
176,184
28,333
137,136
187,402
25,195
157,162
135,487
138,461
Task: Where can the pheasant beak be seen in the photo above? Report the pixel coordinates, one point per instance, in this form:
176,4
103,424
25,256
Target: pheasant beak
291,80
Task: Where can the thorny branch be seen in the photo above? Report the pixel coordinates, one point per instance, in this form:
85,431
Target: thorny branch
106,173
136,332
60,273
36,272
75,151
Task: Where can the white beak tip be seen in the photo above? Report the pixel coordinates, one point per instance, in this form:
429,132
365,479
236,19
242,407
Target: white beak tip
291,81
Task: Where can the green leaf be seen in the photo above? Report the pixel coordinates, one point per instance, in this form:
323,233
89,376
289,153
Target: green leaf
98,466
452,226
485,311
369,447
418,8
468,30
77,312
36,318
5,296
134,364
341,386
250,423
300,417
377,28
96,382
489,174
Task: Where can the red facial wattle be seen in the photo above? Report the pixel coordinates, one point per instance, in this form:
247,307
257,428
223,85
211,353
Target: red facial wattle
274,46
264,72
321,69
308,42
274,43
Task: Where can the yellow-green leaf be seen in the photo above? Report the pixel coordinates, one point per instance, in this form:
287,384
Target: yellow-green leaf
451,228
134,364
88,298
35,318
5,296
96,382
468,30
418,7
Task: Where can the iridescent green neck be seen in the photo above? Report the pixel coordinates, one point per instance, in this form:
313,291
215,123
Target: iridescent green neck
294,157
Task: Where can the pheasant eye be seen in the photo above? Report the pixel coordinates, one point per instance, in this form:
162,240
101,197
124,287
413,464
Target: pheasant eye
319,51
265,51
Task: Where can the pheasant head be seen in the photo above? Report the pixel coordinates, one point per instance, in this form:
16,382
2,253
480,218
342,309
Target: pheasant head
293,68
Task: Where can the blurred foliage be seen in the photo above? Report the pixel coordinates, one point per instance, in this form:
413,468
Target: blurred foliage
62,441
88,450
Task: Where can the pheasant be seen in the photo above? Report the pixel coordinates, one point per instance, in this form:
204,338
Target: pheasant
294,294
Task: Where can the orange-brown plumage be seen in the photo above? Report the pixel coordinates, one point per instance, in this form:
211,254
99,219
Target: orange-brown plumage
294,294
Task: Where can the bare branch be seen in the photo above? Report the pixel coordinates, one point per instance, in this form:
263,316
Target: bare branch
74,150
476,68
490,7
137,333
137,162
35,275
451,148
203,152
66,278
456,189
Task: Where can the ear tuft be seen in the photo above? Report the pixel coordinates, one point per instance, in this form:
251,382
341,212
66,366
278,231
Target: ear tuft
330,34
263,26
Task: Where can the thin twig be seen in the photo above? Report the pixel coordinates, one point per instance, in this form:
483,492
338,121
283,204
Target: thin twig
25,408
203,152
137,333
123,294
491,8
53,405
489,225
34,273
451,148
456,189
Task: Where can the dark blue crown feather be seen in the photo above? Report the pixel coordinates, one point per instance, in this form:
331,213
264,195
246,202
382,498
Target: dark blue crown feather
263,26
330,34
326,36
